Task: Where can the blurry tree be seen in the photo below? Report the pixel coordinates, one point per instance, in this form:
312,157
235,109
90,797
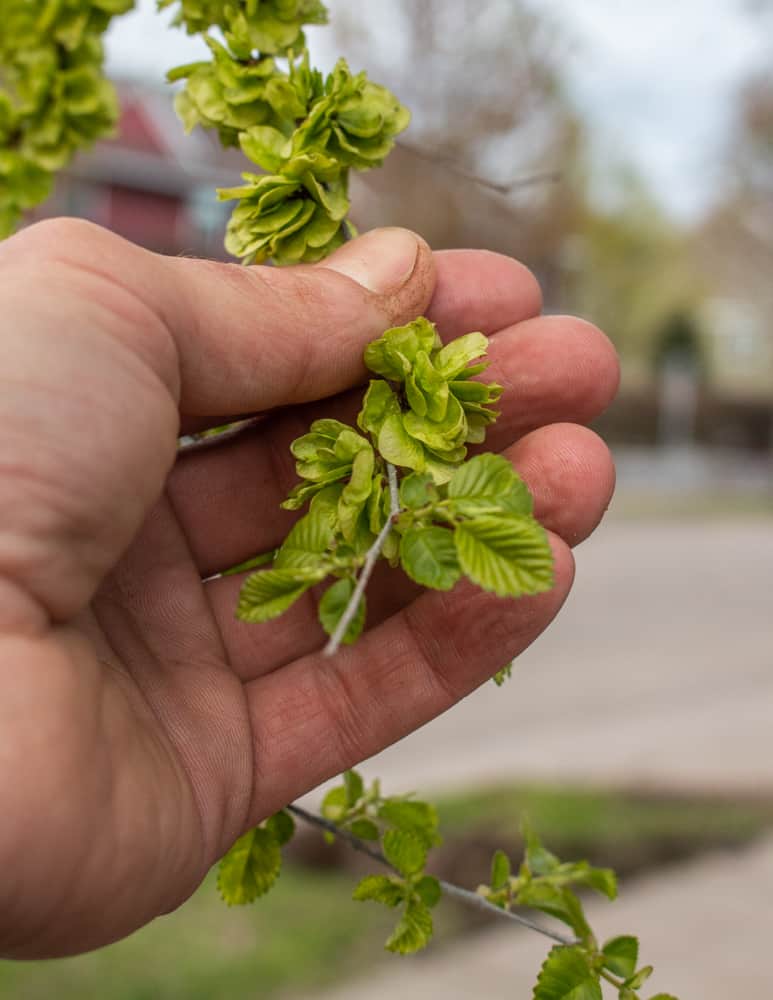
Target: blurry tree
631,271
751,154
484,84
740,230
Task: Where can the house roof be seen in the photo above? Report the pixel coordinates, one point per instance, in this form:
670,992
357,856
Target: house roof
151,151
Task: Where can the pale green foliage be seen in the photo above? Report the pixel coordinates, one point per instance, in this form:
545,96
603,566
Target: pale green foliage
507,555
306,131
307,134
252,865
407,830
500,870
231,96
429,407
54,99
270,26
455,518
543,882
503,675
567,975
334,603
620,955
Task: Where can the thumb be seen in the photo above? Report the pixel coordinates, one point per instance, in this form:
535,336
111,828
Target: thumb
246,338
253,338
105,342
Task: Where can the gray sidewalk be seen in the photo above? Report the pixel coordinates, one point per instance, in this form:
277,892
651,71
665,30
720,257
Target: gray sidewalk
658,674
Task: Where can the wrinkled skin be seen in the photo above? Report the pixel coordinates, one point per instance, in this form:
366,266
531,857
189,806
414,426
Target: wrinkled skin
142,728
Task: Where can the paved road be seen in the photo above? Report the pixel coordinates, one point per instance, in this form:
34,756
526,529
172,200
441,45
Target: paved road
657,673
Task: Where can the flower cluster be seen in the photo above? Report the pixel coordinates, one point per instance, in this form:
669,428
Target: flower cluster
450,516
429,408
269,26
306,131
232,96
54,99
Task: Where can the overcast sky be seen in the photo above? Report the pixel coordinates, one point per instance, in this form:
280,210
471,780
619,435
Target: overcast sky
659,76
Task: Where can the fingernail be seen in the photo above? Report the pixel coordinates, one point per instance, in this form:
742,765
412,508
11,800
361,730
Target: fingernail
381,261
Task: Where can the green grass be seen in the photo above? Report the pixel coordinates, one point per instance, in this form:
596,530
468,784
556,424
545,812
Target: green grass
308,933
714,504
622,830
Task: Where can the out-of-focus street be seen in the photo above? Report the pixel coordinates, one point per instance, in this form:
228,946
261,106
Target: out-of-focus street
656,675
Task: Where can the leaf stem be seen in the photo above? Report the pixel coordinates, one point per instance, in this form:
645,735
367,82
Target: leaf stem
617,983
371,559
456,891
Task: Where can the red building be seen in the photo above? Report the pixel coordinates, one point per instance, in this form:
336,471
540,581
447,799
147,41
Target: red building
152,183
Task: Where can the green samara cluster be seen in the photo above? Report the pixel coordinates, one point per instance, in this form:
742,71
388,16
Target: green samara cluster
450,516
272,27
306,131
54,99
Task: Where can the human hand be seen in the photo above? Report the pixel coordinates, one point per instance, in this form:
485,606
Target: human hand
142,727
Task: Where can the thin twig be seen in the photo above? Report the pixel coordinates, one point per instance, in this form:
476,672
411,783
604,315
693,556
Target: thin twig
394,492
465,895
371,559
505,187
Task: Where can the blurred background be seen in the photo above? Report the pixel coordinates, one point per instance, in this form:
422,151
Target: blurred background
625,153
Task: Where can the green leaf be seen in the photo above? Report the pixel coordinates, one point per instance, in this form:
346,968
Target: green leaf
417,490
556,902
454,357
381,889
398,447
404,851
334,602
664,996
566,975
425,388
510,555
268,593
266,146
250,868
428,889
354,787
282,826
253,563
428,556
335,804
414,930
488,482
365,829
538,859
500,870
503,675
308,539
444,435
640,978
356,493
418,818
620,955
603,880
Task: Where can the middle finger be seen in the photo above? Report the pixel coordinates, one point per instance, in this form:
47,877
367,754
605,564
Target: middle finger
554,369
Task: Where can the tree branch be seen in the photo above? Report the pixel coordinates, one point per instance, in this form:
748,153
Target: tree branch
371,559
457,892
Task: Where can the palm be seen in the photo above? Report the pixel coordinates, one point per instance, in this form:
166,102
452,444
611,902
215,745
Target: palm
148,727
